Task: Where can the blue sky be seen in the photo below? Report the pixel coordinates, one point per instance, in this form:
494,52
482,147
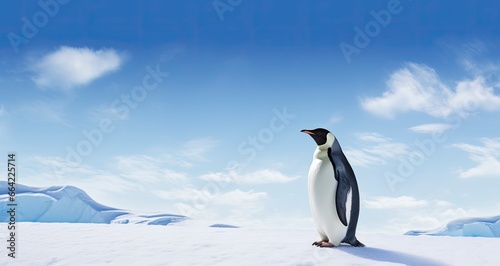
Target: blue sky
144,105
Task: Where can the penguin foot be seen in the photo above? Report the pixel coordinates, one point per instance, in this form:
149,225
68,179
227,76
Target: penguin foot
317,243
323,244
357,244
353,242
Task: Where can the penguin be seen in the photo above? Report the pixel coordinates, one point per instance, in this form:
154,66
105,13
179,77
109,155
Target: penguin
333,192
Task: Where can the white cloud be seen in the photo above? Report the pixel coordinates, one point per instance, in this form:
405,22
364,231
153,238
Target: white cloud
335,119
198,148
126,174
431,128
443,203
422,221
69,67
361,158
48,171
474,94
408,213
418,88
147,169
417,222
147,176
204,204
487,157
379,149
186,194
388,149
108,112
264,176
45,111
238,205
371,137
412,88
453,213
393,203
176,161
237,197
219,177
468,53
427,218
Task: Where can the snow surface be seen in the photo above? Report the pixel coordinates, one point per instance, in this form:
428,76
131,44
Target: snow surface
185,244
482,227
71,205
62,225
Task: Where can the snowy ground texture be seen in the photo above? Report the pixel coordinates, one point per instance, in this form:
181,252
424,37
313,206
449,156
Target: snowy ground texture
181,244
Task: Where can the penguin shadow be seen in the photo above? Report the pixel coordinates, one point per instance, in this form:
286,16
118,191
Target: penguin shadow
385,255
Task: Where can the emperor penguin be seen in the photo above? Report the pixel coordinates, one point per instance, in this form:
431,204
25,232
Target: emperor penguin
333,192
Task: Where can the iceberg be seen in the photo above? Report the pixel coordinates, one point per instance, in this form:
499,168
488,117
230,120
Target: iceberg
472,227
68,204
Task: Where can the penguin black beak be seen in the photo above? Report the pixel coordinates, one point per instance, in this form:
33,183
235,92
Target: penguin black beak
309,132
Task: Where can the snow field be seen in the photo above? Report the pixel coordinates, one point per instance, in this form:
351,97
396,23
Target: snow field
136,244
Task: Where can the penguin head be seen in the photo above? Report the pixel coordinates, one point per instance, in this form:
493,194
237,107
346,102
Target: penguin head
321,136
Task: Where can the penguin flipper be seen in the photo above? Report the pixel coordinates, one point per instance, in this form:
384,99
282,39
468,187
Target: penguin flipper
343,188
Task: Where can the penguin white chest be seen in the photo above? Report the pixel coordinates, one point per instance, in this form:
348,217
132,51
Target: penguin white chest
322,187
